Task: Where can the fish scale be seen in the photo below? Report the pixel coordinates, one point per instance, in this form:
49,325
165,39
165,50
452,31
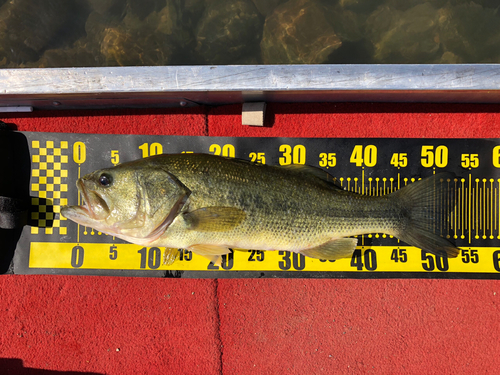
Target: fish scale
291,220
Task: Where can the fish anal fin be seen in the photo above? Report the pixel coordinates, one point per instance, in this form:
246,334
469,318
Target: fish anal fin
214,259
212,252
332,250
214,219
202,249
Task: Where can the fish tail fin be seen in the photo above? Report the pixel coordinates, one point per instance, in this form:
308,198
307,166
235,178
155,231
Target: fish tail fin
426,206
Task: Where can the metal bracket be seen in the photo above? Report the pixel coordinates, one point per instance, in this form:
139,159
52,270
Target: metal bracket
17,108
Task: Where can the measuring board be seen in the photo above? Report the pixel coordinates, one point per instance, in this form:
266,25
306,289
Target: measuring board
54,245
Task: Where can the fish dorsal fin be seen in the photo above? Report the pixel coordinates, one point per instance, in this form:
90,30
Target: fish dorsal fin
332,250
316,172
214,219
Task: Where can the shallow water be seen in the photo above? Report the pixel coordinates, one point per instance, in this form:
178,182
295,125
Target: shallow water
76,33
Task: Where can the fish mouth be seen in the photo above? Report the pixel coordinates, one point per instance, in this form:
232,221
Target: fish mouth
85,206
93,208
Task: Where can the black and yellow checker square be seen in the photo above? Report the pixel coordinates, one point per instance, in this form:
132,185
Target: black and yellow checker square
48,175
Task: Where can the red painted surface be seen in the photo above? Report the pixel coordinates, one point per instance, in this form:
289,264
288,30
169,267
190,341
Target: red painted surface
109,325
190,121
359,326
371,120
267,326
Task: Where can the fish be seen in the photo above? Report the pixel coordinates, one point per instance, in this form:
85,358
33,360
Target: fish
211,205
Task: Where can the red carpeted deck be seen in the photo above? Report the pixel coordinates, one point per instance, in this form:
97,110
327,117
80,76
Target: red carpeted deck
104,325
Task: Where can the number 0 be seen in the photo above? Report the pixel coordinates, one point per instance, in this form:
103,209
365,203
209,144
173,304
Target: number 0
77,257
79,152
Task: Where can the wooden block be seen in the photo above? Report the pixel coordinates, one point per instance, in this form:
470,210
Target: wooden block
253,114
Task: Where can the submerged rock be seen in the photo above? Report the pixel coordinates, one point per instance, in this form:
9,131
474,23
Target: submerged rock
120,47
460,32
193,10
266,7
132,41
404,5
360,6
450,58
143,8
78,55
28,27
470,32
298,33
405,37
348,25
116,7
228,30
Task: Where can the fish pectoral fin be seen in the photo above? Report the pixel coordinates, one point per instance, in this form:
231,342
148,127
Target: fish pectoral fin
332,250
211,252
214,219
170,255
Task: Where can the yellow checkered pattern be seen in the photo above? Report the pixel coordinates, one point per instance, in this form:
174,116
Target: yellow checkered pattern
48,174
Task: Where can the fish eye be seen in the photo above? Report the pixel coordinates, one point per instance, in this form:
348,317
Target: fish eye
105,180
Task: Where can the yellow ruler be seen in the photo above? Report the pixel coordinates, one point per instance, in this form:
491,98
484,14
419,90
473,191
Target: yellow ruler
378,258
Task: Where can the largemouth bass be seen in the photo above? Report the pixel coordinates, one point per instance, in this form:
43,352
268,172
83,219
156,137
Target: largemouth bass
210,205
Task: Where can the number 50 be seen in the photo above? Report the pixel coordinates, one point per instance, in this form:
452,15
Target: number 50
439,158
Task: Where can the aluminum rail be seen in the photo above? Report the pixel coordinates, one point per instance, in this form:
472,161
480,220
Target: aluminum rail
213,85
